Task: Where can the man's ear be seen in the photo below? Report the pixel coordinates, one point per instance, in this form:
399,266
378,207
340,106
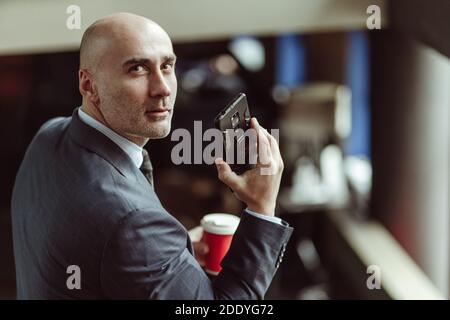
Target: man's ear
87,87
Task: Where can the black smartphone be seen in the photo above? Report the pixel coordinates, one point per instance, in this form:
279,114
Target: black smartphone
233,121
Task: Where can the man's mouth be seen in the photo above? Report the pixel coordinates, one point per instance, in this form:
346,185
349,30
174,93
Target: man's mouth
158,112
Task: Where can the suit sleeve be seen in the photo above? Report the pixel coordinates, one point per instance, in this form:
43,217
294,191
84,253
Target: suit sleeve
147,258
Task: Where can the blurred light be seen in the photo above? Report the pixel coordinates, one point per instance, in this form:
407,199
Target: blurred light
193,79
225,64
249,52
281,94
359,172
343,119
307,252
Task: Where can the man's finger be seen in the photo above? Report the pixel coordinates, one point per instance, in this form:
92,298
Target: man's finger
254,124
274,147
200,248
195,234
264,152
226,175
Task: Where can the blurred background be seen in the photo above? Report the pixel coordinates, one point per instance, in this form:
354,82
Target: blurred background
363,116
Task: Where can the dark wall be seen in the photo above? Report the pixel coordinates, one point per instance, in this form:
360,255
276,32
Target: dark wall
426,21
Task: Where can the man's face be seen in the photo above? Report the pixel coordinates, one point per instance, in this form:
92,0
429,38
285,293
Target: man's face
137,86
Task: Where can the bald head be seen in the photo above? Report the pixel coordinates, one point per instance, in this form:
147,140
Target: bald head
107,33
127,76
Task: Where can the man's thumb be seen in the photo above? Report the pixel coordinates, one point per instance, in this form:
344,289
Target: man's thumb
226,175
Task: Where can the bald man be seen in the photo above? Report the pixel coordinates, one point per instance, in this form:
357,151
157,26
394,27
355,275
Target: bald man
87,222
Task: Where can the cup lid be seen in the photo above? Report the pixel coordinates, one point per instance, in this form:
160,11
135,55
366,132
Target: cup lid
220,223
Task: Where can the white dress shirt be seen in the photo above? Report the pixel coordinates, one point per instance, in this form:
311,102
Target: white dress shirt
135,152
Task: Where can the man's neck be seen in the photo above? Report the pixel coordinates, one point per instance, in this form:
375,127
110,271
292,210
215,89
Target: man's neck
95,114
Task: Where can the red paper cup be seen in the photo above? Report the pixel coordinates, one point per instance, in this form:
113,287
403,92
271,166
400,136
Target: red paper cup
218,230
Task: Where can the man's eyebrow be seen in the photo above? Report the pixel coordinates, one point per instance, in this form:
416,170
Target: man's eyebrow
170,58
136,61
166,58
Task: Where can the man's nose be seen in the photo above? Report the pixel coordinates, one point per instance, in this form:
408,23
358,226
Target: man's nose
159,86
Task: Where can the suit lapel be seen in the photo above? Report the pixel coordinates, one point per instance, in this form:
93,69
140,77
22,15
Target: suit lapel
97,142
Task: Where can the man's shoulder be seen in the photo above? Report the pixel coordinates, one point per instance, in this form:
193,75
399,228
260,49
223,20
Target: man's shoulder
54,125
51,130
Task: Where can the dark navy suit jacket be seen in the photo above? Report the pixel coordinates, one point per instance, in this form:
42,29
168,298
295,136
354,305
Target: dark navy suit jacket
79,200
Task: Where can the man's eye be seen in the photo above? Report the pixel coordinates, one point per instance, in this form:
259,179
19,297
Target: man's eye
168,66
137,68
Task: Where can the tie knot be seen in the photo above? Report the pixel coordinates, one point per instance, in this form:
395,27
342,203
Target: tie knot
146,167
146,163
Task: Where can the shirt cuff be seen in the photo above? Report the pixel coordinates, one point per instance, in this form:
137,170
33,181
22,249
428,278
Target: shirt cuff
264,217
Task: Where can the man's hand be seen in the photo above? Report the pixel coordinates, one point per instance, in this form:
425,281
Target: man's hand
258,187
200,248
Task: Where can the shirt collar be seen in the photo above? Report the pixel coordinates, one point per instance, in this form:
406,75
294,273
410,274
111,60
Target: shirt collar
131,149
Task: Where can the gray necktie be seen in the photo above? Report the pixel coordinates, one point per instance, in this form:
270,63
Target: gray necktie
146,167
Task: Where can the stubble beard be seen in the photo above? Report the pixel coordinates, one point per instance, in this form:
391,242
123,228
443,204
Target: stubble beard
131,121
